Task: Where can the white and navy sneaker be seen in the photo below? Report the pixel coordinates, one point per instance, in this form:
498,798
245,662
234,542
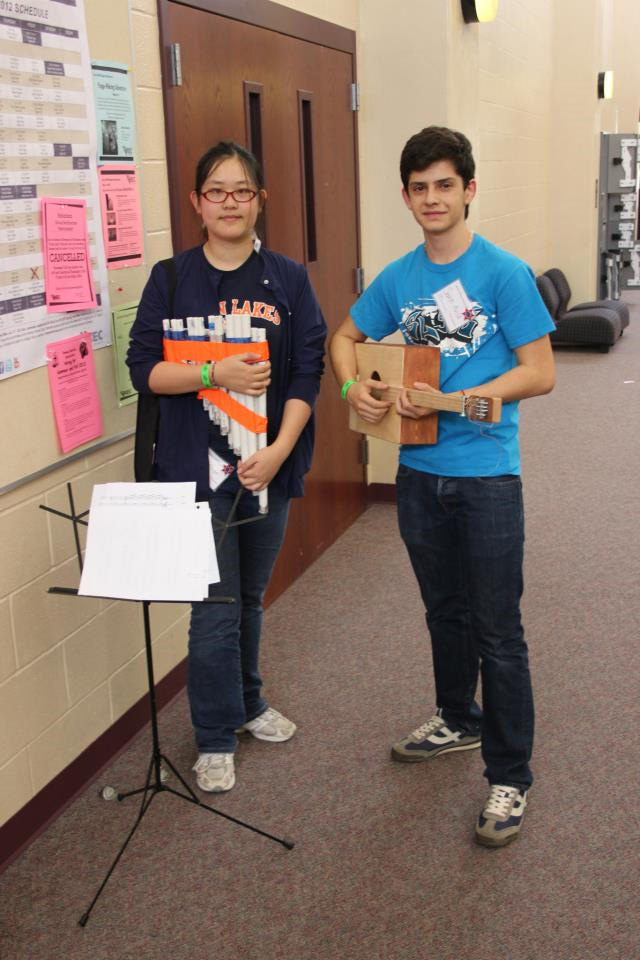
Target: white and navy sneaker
431,739
501,818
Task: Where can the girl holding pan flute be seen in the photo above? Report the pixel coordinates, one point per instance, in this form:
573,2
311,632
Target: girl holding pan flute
232,274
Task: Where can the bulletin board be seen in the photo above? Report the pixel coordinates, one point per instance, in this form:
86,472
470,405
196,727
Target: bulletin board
48,148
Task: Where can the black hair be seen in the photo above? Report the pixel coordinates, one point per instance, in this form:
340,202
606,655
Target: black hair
223,150
433,144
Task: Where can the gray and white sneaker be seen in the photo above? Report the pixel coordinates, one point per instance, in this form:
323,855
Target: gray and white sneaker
501,817
431,739
270,726
215,772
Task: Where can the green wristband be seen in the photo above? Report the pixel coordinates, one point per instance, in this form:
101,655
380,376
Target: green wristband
345,388
204,376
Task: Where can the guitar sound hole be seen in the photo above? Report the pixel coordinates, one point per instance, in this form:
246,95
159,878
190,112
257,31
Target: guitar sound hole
375,376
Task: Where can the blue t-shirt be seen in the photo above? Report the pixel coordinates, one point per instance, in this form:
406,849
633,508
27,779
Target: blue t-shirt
507,312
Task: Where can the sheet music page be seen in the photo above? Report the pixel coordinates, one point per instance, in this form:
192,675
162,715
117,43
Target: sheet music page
148,542
143,494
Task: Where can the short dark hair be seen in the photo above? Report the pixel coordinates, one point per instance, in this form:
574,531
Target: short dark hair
222,151
433,144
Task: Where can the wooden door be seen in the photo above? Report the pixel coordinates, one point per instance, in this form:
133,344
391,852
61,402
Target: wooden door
289,100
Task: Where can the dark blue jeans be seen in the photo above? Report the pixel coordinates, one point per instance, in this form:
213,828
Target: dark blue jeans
465,537
223,676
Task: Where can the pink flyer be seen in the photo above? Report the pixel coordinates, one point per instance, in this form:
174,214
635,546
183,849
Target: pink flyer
121,217
68,280
74,391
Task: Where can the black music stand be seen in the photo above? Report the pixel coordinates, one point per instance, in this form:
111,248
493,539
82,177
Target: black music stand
154,783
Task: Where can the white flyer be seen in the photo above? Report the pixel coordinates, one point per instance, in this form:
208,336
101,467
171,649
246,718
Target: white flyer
454,305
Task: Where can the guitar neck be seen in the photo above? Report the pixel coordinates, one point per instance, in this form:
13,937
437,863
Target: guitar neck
451,402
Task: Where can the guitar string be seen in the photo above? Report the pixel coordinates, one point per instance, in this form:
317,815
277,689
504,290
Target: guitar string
455,400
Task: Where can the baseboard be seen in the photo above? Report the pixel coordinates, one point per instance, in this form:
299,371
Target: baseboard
381,493
32,819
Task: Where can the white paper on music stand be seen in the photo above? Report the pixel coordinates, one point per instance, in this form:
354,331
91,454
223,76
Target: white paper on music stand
139,549
143,494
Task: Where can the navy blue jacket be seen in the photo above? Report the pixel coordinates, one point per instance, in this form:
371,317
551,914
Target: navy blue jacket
183,434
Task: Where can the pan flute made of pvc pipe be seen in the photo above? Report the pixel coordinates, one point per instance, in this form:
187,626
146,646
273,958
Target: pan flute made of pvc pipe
240,417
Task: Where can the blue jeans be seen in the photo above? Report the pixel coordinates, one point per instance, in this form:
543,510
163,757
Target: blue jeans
223,676
465,538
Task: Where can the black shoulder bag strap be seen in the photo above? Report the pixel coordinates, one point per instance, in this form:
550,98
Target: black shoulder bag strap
148,413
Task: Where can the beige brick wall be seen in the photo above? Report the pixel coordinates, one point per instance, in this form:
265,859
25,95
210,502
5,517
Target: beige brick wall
492,81
522,88
70,667
150,129
514,87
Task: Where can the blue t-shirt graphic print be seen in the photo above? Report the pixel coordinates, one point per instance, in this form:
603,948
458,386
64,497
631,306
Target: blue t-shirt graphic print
422,324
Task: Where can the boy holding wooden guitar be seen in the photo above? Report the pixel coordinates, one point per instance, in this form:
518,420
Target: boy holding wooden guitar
460,499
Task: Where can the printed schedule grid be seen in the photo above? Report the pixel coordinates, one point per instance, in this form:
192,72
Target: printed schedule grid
47,149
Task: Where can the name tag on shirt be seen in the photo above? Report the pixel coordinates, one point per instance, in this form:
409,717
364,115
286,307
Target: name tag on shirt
454,305
219,470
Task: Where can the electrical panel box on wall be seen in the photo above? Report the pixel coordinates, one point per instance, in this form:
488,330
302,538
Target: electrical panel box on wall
618,240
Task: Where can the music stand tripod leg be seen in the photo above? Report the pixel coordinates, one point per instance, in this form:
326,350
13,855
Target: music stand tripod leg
284,841
154,782
144,806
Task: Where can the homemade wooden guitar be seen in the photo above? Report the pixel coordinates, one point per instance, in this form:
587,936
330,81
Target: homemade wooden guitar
400,367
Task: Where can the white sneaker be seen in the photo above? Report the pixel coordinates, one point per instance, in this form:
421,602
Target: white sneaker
271,726
215,772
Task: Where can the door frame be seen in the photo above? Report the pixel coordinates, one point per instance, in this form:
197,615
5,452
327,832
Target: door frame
269,16
283,22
